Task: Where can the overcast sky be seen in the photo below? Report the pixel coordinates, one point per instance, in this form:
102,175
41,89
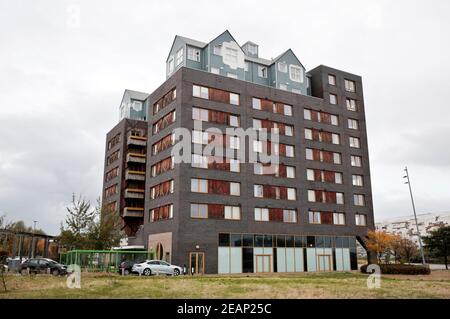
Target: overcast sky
62,78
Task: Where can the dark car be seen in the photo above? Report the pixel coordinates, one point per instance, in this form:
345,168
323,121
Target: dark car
125,266
42,266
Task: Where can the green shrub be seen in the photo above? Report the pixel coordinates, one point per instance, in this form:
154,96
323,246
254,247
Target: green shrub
399,269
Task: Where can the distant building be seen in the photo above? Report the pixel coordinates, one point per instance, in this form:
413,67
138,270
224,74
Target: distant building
406,226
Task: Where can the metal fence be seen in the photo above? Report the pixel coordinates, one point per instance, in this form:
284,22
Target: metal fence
103,260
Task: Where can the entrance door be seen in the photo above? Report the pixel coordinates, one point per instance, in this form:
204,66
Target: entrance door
197,263
324,262
263,263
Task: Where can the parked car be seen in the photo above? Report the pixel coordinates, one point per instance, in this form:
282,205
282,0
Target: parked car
151,267
42,266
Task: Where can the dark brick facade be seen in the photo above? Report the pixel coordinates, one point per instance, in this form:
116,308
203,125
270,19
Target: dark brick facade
191,235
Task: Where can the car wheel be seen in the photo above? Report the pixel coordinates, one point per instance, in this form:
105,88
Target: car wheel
176,272
147,272
24,272
55,272
126,272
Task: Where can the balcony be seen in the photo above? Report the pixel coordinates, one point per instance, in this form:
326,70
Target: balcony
137,140
133,212
134,175
134,193
136,158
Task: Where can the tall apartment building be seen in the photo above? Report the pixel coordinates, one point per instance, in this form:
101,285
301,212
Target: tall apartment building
303,214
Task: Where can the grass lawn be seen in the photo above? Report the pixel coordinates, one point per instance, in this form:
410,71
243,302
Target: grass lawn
307,285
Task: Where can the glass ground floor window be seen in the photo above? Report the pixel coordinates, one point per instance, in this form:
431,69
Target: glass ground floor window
246,253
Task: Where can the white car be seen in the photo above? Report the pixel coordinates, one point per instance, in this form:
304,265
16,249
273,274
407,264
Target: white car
153,267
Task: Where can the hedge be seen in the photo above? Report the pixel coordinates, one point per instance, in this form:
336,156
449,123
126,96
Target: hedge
401,269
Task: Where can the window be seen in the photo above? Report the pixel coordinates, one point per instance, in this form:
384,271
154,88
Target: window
314,217
256,103
232,212
296,91
357,180
283,87
288,130
335,139
349,86
287,110
199,137
296,73
199,211
193,54
179,57
338,178
199,185
252,49
171,65
308,134
200,114
339,218
354,142
257,146
231,55
334,120
307,114
311,195
310,174
234,142
246,66
232,75
235,165
291,194
199,161
309,154
200,91
289,216
234,120
258,191
353,124
289,151
235,189
356,161
282,67
333,99
351,104
358,200
336,158
215,70
339,198
217,50
234,98
258,169
262,71
290,171
257,124
360,220
261,214
331,79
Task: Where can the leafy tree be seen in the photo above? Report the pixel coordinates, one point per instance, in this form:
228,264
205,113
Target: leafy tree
80,215
404,249
380,242
87,228
438,243
104,232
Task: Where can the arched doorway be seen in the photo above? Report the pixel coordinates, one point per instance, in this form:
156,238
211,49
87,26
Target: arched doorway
159,251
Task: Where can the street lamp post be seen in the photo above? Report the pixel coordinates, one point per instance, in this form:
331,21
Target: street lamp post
415,215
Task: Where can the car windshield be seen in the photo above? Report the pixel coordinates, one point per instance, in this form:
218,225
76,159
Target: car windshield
164,263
